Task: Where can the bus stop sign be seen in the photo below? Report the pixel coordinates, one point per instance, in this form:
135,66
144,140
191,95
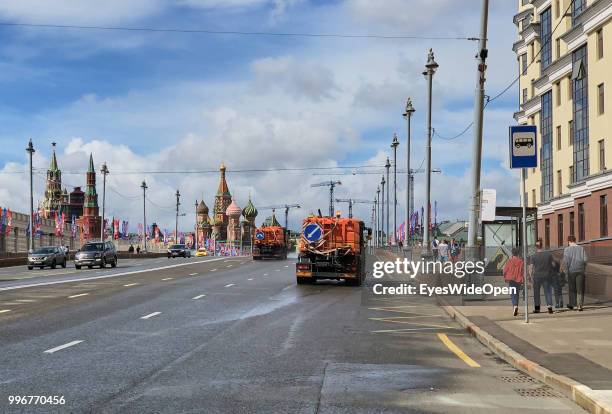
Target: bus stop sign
523,146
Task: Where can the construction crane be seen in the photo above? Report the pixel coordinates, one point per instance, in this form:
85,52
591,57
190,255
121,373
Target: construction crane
350,202
331,185
287,207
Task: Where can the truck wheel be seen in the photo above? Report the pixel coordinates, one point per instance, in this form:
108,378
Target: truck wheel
30,267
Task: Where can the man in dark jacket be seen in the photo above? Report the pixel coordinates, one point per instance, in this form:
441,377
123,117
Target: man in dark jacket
540,271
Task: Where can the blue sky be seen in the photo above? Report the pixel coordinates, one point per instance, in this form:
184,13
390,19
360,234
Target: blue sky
164,101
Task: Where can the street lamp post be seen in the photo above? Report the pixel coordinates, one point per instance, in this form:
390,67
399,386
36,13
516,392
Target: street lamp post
382,212
430,70
30,150
195,242
144,213
104,171
378,216
408,115
178,203
388,167
394,145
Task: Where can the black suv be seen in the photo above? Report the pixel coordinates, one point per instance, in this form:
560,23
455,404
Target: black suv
96,254
178,250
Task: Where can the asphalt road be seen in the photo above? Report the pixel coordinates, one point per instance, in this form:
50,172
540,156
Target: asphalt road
230,335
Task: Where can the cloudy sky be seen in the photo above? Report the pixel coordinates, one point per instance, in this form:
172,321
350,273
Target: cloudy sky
152,101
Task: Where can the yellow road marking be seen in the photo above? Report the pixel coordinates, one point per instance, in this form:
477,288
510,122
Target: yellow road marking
457,351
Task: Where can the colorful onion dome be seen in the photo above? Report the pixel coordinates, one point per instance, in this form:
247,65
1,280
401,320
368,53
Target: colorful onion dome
233,210
249,211
202,208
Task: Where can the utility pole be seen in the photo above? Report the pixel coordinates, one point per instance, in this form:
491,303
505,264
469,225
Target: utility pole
478,121
382,221
144,213
30,150
409,190
104,171
394,145
430,69
388,167
378,216
178,203
195,242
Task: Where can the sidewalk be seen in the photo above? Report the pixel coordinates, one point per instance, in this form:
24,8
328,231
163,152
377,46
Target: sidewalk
569,350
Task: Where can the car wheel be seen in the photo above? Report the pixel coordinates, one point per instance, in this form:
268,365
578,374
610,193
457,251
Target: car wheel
53,265
90,267
30,267
103,263
114,263
77,267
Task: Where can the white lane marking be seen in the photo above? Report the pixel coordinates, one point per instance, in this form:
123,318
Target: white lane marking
25,300
150,315
4,310
229,266
198,297
59,348
167,278
213,270
250,278
130,284
278,270
287,287
193,274
265,274
78,295
286,265
230,285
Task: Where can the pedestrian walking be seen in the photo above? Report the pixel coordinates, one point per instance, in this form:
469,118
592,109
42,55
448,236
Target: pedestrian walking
558,281
514,275
137,249
434,248
574,265
540,274
443,249
455,250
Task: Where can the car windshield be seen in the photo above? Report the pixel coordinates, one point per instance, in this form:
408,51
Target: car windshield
45,250
178,246
94,247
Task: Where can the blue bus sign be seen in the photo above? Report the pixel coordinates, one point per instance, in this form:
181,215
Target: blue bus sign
260,235
523,146
313,232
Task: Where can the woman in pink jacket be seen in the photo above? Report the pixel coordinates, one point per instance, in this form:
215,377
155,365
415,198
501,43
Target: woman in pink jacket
515,276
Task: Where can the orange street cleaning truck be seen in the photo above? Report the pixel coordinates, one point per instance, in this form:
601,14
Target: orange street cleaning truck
270,242
332,248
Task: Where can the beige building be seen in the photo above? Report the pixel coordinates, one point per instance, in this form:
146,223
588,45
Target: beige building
564,53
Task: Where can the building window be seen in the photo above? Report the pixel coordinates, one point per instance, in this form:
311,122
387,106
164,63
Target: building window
571,223
578,7
524,95
559,183
533,198
558,48
600,44
560,240
581,112
558,137
546,147
570,132
571,174
524,63
558,93
581,222
546,233
603,215
601,99
602,155
545,39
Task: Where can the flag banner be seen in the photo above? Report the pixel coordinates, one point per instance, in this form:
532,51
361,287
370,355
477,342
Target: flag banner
115,228
2,219
105,225
140,231
9,221
73,226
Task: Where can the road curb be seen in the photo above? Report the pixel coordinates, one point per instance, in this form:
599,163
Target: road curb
582,395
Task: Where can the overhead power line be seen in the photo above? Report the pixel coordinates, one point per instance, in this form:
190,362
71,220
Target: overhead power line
234,32
515,80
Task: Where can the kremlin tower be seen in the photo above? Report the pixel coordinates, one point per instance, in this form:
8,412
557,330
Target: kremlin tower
52,202
222,201
248,225
203,220
91,222
233,213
